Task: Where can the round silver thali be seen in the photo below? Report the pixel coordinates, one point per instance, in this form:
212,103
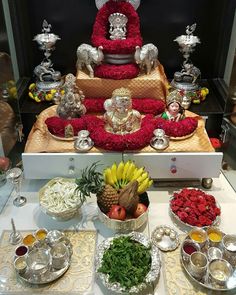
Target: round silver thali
150,278
51,274
165,238
205,281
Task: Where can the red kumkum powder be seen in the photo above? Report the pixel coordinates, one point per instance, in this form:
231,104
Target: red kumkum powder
189,249
20,251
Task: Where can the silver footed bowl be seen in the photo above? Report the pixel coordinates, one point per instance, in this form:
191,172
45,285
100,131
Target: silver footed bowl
151,276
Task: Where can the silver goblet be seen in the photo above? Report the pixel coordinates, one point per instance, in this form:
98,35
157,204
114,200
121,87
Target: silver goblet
15,175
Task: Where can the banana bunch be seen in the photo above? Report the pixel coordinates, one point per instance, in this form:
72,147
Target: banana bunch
120,175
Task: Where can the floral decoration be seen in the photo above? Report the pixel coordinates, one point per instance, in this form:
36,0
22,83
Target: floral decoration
101,25
145,105
100,136
39,95
117,72
196,96
216,143
195,207
177,129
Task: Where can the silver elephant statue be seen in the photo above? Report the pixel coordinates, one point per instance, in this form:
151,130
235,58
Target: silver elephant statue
188,74
45,72
147,57
88,56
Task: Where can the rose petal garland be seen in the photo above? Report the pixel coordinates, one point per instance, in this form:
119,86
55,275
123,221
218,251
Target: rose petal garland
117,72
144,105
195,207
177,129
101,25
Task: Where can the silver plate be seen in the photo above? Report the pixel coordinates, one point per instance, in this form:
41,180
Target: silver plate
205,282
150,277
164,241
48,277
187,227
51,274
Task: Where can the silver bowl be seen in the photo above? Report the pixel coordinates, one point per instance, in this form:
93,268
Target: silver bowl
63,215
120,225
219,271
150,278
38,261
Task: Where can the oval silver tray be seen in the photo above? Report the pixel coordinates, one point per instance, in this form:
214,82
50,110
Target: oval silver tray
205,282
48,277
187,227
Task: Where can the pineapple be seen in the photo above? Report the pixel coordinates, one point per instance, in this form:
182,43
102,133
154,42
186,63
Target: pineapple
92,182
107,198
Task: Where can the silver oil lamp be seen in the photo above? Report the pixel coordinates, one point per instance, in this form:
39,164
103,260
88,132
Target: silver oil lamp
46,77
186,79
160,141
83,142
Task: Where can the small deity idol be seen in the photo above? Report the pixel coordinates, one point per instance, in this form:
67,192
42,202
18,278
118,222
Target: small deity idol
119,116
175,111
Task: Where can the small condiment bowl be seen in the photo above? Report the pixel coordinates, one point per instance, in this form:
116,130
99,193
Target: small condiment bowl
229,247
199,236
41,234
54,236
20,265
184,251
198,265
60,255
214,253
38,261
29,240
219,271
214,236
21,250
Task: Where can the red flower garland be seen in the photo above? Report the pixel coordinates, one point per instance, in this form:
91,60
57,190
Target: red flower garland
194,207
177,129
101,25
115,142
116,72
143,105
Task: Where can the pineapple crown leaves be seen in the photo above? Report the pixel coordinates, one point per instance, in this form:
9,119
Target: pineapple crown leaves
91,182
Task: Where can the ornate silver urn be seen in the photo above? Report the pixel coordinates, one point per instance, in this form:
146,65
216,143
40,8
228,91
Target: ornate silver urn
46,77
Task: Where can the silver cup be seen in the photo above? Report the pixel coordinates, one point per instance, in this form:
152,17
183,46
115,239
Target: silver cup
60,255
54,237
216,231
198,265
190,243
38,261
214,253
200,234
229,247
20,265
219,271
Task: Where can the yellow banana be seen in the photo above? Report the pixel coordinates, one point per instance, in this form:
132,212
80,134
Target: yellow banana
142,177
150,183
120,170
143,186
138,173
126,167
130,171
114,171
109,177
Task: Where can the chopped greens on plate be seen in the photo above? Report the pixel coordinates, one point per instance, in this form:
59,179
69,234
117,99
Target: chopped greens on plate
126,262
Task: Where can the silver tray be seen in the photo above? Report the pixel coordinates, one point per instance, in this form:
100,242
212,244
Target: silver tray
48,277
205,282
150,277
187,227
165,242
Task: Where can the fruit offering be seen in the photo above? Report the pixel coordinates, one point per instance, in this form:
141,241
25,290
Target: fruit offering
194,207
118,176
118,189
